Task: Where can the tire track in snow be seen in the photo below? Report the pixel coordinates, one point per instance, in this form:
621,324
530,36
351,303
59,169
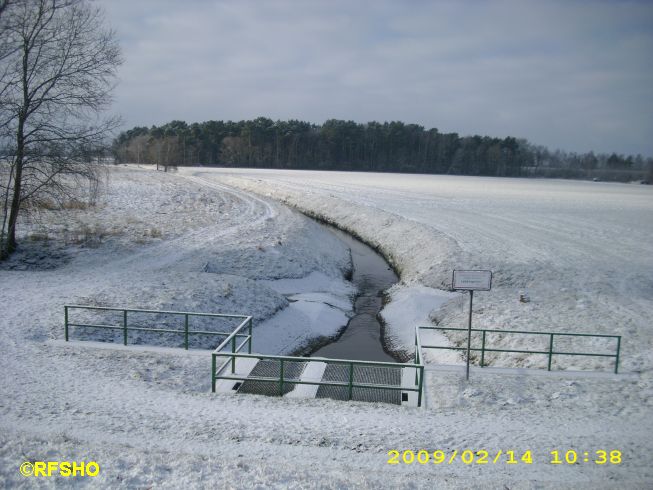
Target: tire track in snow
254,212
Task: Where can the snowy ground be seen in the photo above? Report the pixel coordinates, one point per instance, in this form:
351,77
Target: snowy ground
148,417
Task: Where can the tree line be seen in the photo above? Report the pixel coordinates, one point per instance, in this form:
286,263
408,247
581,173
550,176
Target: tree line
373,146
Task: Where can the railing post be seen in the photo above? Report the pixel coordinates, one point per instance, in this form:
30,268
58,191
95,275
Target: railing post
124,327
281,377
65,317
186,331
233,357
616,364
469,333
351,380
421,386
213,356
249,343
416,354
483,350
550,352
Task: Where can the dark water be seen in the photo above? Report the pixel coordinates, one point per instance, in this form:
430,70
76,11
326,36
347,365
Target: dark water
372,275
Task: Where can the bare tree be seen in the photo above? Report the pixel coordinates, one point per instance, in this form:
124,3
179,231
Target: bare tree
58,65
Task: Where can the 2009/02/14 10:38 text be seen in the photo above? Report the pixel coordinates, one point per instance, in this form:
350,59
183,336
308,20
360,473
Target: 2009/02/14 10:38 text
482,456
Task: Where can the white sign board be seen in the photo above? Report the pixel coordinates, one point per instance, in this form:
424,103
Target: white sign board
472,280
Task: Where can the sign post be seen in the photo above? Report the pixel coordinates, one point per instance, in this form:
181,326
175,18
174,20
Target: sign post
475,280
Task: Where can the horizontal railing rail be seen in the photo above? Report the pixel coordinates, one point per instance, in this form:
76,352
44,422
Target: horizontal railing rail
186,331
550,352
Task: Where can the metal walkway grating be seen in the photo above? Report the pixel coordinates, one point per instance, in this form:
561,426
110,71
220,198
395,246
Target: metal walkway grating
362,374
271,369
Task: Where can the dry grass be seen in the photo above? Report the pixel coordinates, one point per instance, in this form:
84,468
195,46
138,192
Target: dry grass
51,205
76,204
38,236
148,235
90,236
44,204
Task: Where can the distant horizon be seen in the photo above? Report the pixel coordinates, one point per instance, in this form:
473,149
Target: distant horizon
439,129
340,144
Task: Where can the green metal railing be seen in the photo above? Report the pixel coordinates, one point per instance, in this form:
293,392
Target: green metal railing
234,347
550,352
281,380
186,332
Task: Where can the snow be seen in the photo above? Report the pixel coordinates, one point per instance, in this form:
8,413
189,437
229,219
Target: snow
296,325
319,306
581,250
411,306
313,373
243,367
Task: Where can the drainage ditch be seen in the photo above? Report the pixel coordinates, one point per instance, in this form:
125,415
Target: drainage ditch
362,338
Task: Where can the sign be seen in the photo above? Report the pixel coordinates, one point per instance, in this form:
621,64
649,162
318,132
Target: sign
472,280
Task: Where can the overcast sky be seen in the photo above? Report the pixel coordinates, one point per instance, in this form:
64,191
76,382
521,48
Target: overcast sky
575,75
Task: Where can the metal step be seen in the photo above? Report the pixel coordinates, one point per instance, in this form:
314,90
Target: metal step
362,374
292,370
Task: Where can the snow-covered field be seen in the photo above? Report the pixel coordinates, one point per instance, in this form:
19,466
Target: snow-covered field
199,241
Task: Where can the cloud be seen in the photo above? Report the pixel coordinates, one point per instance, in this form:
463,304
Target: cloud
574,75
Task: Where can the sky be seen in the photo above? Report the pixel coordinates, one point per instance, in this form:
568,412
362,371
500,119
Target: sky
573,75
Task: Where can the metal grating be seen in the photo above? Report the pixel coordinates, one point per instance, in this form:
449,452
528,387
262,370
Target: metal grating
271,369
362,374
